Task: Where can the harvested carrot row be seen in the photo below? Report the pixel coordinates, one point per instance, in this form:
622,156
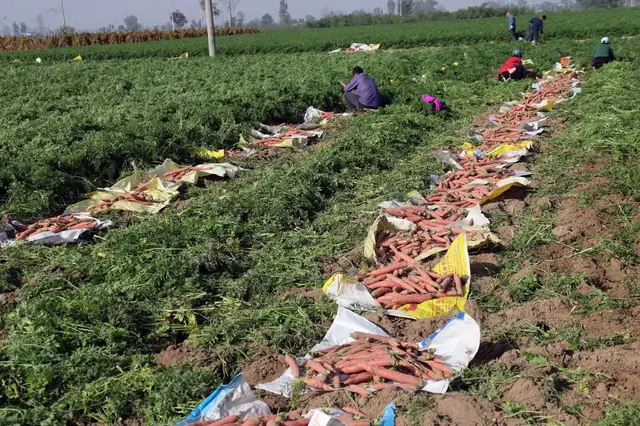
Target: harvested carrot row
371,361
56,224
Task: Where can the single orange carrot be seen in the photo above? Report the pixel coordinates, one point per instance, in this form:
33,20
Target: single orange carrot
295,370
359,390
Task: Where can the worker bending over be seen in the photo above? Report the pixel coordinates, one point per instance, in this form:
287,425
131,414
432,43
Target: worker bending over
361,93
513,68
603,54
536,30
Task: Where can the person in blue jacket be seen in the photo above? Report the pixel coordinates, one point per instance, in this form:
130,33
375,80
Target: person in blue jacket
536,30
512,27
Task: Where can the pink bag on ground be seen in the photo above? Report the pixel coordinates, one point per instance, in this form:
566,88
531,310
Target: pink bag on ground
434,102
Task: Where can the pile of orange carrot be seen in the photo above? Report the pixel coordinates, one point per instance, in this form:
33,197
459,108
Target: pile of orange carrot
137,197
352,417
369,363
174,176
405,283
289,133
56,224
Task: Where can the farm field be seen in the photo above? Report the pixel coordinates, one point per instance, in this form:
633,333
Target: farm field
561,26
142,325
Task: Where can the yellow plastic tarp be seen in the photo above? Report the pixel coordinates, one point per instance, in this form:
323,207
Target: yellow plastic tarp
456,261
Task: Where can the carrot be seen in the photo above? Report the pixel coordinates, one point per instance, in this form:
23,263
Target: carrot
295,415
402,256
227,420
440,366
373,280
412,298
316,366
395,376
317,383
362,366
387,269
357,423
82,225
400,282
458,283
380,292
298,422
359,378
359,390
252,421
295,370
380,386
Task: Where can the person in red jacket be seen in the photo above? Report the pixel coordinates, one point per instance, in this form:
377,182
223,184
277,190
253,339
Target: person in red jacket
513,68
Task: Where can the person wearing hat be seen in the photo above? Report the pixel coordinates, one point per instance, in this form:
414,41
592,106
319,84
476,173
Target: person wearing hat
603,54
513,68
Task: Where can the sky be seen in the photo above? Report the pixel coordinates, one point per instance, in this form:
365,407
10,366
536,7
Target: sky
92,14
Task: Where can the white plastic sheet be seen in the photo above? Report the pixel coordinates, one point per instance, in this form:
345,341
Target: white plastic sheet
233,399
457,342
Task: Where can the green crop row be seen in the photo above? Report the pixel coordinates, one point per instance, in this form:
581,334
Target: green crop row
565,25
70,127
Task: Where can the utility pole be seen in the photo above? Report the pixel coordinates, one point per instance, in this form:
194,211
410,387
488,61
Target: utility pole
173,25
46,12
64,18
211,32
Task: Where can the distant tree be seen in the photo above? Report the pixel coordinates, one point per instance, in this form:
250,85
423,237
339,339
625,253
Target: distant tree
178,19
391,7
66,30
16,28
266,20
195,24
240,19
230,6
425,6
253,23
121,28
285,17
309,18
359,12
131,23
216,11
378,11
41,27
23,28
611,3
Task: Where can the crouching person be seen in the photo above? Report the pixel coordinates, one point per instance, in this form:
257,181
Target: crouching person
603,54
513,68
361,93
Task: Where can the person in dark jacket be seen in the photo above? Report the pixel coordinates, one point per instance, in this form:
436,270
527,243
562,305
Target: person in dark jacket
512,27
361,92
536,29
513,68
603,54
